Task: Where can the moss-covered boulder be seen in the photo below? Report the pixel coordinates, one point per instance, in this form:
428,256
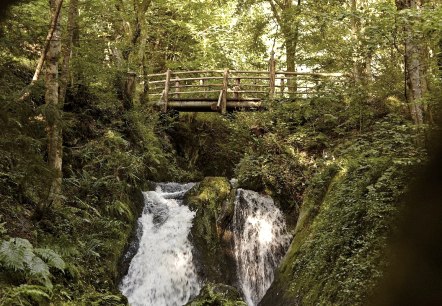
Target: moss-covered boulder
218,295
337,255
211,234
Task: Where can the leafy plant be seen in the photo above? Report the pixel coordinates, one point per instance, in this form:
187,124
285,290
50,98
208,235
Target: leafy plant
19,255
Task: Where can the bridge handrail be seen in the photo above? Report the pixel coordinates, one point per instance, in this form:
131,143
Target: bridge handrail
172,84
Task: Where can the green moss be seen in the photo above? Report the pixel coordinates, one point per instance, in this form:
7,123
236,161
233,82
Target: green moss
337,255
218,295
212,199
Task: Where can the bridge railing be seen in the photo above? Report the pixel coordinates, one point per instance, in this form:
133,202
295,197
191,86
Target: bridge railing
222,89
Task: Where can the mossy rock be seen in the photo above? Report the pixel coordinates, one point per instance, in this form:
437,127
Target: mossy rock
337,254
211,234
218,295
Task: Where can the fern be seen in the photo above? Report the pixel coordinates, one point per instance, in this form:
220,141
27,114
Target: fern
19,255
51,258
15,253
38,267
26,295
120,209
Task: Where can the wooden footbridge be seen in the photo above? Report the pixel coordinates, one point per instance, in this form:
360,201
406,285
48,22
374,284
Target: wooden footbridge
227,90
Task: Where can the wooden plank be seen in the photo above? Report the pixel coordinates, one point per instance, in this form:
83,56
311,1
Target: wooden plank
196,91
177,88
254,85
209,104
198,79
249,91
181,99
197,71
157,82
166,89
198,85
256,77
233,72
225,87
218,105
324,74
237,88
272,69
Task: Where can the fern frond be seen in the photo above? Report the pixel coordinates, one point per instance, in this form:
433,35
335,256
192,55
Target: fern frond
37,267
15,253
32,293
19,255
51,258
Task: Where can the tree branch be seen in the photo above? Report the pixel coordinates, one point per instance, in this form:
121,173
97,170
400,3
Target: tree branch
45,50
275,12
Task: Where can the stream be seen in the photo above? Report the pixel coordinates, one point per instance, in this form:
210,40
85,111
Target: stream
163,272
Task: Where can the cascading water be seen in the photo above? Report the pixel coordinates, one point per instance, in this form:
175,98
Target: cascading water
261,241
162,271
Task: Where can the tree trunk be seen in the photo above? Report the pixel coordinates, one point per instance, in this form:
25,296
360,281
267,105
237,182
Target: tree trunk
355,35
414,66
68,50
53,114
55,19
283,13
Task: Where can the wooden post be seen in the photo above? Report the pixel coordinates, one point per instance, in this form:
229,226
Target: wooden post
177,88
282,88
225,86
166,89
202,83
272,76
237,88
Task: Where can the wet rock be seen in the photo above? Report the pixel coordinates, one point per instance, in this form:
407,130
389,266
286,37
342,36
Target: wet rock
211,234
218,295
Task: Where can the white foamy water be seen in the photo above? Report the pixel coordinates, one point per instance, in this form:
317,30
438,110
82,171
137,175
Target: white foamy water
261,240
162,272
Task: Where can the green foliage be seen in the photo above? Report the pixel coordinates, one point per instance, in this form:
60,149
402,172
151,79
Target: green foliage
19,255
349,211
207,144
25,295
217,294
297,151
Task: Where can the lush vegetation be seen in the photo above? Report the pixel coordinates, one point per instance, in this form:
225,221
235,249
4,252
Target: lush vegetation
78,143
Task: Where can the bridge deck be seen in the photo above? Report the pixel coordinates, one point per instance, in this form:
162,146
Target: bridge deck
225,90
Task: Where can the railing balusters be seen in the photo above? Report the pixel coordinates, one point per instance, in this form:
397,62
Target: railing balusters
272,75
166,89
237,89
177,88
225,86
199,90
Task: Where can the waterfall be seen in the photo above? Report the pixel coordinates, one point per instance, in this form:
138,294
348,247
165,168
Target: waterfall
162,271
261,241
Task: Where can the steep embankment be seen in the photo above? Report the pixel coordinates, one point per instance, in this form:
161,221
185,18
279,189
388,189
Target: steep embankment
71,253
350,209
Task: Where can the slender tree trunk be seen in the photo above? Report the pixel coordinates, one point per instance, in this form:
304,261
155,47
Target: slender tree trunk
55,19
55,132
68,50
355,34
414,74
291,44
142,10
53,117
283,12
